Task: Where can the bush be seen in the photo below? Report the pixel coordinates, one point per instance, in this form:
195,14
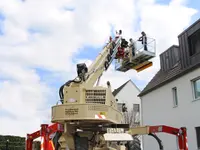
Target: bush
14,142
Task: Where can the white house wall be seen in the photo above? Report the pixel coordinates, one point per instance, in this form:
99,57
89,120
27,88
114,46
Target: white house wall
157,109
129,95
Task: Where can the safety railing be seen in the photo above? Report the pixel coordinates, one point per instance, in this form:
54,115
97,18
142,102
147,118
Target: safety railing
151,45
139,48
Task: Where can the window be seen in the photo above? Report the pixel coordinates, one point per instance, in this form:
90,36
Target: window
175,55
136,112
194,43
136,107
198,136
119,105
175,97
196,88
166,61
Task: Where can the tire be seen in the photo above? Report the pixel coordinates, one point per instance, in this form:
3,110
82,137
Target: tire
135,144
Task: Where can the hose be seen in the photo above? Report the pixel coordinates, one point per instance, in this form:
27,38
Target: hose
158,140
61,94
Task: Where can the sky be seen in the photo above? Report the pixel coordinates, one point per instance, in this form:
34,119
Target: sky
41,41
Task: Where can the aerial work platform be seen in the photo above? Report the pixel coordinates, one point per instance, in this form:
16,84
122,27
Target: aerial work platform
140,60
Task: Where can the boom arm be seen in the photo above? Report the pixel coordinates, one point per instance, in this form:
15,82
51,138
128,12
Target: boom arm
102,62
181,133
88,77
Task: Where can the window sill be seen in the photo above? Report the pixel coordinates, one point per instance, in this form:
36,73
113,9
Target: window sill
194,100
195,54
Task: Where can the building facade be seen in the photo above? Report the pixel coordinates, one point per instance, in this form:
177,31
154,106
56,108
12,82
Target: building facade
128,94
172,97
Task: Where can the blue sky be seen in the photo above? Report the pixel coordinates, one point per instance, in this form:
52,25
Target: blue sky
56,25
190,3
196,5
89,52
1,23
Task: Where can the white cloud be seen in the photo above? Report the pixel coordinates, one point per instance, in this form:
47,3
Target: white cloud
60,36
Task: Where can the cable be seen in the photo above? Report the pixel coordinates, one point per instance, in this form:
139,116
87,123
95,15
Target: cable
158,140
61,94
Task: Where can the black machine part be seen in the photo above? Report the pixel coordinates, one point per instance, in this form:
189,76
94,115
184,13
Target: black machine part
134,145
81,143
82,70
158,140
55,140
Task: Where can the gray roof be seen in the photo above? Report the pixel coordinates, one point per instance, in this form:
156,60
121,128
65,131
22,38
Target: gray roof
191,26
116,91
164,77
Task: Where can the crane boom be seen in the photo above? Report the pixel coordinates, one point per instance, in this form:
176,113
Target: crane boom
88,77
102,62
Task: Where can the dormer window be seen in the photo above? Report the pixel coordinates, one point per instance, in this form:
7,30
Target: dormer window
194,43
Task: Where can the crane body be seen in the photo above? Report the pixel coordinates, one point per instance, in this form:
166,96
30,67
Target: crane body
87,107
89,114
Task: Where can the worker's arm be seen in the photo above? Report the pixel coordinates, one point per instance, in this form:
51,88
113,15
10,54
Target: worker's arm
140,39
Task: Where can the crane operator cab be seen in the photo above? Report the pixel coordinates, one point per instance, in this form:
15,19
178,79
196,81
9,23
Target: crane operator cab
135,54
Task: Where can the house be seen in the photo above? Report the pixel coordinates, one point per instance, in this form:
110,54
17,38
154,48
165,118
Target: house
128,93
172,97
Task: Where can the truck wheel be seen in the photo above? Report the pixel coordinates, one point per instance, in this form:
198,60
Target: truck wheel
135,144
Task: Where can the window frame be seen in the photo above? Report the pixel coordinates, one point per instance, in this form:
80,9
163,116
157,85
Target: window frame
137,107
119,106
136,114
167,59
197,137
193,88
191,43
175,96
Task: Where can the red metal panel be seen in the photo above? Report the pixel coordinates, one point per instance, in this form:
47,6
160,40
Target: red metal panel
180,133
44,132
